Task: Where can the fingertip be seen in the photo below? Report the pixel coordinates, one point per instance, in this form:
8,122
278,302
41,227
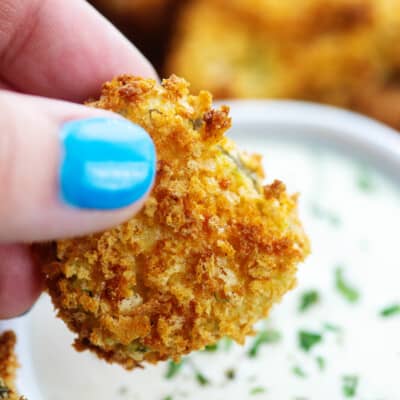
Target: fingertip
20,281
70,178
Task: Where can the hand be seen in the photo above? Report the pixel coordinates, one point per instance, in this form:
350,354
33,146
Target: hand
61,50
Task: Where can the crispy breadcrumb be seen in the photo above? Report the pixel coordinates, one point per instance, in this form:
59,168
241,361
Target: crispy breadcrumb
207,257
8,366
339,52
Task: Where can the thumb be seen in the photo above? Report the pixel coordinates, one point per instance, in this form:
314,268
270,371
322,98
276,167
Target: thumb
68,170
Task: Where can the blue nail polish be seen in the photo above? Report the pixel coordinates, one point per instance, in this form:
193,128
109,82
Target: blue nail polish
107,163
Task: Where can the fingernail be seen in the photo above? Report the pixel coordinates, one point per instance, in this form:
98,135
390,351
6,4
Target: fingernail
107,163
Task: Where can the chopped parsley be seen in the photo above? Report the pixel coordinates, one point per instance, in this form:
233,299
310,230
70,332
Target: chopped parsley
265,337
344,288
211,348
332,328
350,385
307,340
299,372
308,299
230,374
201,379
197,123
173,369
321,362
365,181
224,344
168,398
257,390
390,311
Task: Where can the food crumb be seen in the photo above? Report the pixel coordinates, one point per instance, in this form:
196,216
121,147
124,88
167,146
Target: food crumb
307,340
350,385
257,390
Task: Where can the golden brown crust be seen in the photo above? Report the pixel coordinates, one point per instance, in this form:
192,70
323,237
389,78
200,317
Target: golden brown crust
8,366
339,52
208,255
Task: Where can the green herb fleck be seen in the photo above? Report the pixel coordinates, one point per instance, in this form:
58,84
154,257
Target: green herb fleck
211,348
308,299
269,336
173,369
350,384
321,363
390,311
197,123
154,110
332,327
299,372
4,390
201,379
168,398
241,167
230,374
365,181
257,390
345,289
307,340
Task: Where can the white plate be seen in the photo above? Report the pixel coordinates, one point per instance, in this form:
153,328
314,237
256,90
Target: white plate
257,125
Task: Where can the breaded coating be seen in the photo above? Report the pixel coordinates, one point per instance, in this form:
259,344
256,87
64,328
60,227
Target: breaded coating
8,366
339,52
207,257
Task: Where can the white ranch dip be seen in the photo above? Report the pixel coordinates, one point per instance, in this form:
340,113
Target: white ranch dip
352,214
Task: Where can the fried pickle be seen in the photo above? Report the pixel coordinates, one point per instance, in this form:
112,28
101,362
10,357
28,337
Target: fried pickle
207,257
306,18
236,54
8,367
216,50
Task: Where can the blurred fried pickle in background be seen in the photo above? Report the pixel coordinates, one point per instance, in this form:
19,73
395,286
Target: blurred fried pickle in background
340,52
287,19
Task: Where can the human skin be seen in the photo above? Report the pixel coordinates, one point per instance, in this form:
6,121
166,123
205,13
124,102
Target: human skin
53,54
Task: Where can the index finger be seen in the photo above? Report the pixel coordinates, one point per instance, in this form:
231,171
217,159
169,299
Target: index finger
62,49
